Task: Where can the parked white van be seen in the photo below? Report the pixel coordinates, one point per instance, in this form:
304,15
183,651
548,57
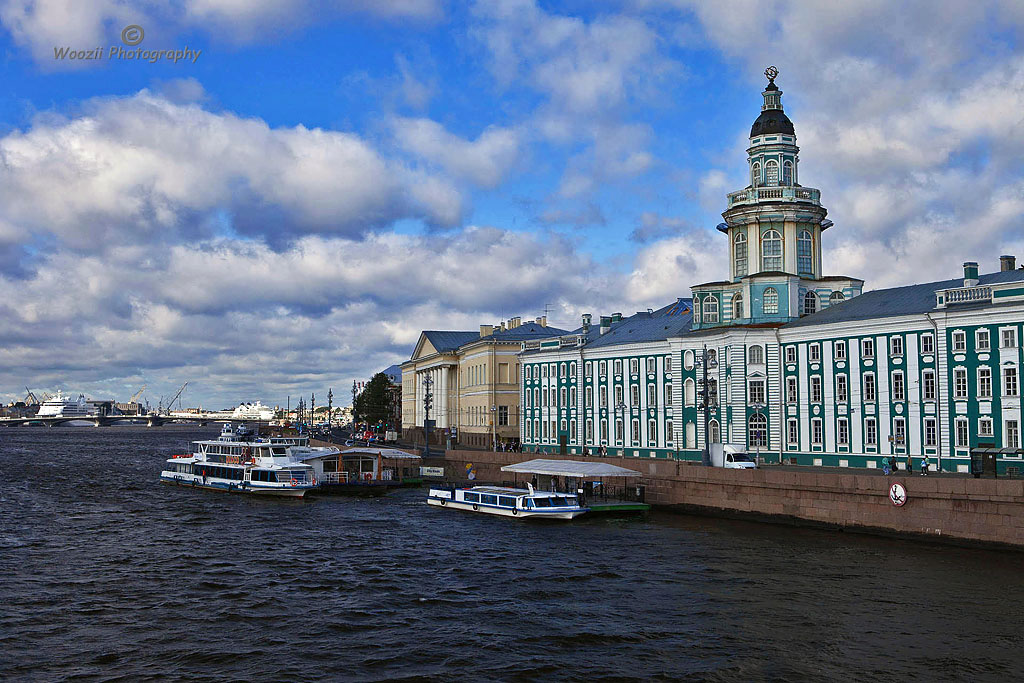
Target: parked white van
731,456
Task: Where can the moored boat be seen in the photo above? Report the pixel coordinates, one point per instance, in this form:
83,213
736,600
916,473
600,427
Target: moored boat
509,502
238,464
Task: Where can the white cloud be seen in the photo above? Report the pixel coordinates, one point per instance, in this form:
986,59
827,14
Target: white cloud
42,24
484,161
144,168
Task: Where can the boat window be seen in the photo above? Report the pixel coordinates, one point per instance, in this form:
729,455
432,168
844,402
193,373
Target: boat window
280,451
489,499
471,497
571,500
542,502
505,501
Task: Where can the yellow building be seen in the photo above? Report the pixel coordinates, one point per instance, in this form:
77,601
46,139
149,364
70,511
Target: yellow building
473,379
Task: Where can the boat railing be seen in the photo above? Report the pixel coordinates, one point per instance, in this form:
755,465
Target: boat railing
334,478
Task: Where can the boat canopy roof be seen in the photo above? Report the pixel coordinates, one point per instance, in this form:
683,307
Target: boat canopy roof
570,468
392,453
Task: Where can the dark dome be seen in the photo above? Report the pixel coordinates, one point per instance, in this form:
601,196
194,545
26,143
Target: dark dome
772,121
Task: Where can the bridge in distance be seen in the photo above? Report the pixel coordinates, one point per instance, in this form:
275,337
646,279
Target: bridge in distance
105,420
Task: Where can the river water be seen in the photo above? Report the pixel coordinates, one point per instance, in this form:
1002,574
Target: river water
107,575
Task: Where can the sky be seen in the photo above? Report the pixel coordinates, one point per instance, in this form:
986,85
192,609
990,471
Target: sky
286,210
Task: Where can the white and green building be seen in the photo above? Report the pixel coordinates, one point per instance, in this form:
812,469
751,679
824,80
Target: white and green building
802,366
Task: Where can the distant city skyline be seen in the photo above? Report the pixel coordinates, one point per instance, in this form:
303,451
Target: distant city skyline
284,210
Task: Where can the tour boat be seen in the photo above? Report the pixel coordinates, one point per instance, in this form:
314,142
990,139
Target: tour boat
239,464
508,502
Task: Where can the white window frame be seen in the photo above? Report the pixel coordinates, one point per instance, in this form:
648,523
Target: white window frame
959,341
928,343
982,339
840,350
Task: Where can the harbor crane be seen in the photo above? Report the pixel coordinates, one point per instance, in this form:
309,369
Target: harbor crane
177,394
31,399
136,395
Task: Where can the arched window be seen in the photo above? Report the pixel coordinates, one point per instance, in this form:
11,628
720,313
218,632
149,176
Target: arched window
810,303
787,173
696,310
835,298
770,301
740,254
771,251
689,393
771,173
691,435
755,174
714,432
710,309
804,253
758,431
737,307
755,356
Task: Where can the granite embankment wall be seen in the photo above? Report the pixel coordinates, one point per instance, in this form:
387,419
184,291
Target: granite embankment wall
948,508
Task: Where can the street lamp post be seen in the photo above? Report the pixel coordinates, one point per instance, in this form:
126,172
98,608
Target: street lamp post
758,407
428,400
620,410
707,362
494,428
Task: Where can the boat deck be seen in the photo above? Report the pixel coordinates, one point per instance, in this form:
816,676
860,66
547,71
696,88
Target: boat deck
615,507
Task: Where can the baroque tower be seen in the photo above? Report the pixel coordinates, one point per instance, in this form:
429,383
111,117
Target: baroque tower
774,227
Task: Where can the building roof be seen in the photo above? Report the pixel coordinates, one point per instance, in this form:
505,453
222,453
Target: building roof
570,468
910,300
772,121
530,330
447,340
394,373
669,321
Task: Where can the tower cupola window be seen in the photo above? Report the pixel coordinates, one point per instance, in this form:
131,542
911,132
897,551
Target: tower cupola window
771,251
737,307
810,303
804,253
770,301
740,254
787,173
711,309
771,172
755,174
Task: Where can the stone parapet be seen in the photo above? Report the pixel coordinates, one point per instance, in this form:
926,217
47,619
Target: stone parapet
948,508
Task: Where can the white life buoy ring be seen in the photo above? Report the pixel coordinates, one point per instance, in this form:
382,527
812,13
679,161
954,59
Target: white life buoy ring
475,506
443,502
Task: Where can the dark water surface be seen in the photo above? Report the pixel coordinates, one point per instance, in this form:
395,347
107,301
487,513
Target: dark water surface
106,574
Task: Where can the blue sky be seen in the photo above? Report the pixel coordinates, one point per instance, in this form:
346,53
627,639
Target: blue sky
327,179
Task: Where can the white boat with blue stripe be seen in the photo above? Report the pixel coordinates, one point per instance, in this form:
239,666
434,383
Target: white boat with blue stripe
508,502
240,464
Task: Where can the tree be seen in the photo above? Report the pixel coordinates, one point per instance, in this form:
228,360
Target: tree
373,404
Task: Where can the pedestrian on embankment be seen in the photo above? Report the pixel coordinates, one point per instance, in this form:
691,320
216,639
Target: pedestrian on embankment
910,464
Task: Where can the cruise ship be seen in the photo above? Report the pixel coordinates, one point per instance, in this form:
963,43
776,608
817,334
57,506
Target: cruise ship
252,411
64,406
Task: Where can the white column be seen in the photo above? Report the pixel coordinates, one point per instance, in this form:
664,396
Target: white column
443,414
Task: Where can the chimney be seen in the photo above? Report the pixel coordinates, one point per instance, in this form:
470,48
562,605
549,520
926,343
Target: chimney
516,322
606,323
486,330
1007,263
542,321
616,317
586,323
970,273
502,325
